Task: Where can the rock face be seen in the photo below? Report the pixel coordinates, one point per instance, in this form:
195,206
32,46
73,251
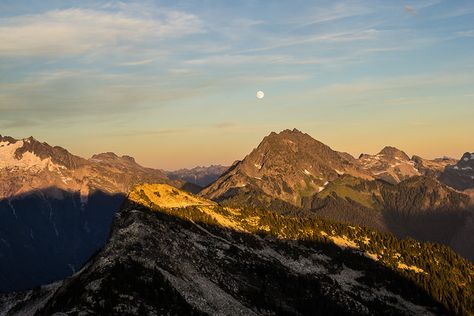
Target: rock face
173,253
287,166
461,175
201,176
56,208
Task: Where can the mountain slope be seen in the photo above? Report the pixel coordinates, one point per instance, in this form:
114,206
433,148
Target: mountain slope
56,208
173,253
287,166
418,207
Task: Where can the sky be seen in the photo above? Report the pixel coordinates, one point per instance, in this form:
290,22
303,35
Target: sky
173,83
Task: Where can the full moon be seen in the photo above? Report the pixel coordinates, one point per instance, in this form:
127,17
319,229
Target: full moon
260,94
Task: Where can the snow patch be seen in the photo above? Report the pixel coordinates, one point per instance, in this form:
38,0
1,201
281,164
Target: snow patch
258,166
28,161
339,172
307,172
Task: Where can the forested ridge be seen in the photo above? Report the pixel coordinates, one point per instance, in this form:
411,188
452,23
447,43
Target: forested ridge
444,275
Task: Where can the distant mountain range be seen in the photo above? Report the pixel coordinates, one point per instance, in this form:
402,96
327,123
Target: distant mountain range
172,253
201,176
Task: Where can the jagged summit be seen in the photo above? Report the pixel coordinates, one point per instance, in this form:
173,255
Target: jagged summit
30,154
289,165
393,152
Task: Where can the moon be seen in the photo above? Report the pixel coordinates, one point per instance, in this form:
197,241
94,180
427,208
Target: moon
260,94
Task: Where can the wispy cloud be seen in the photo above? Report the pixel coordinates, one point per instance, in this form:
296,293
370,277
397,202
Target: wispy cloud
157,132
333,37
373,86
76,31
469,33
336,11
63,93
137,62
225,125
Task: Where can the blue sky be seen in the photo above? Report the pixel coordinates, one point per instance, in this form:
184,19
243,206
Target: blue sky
173,82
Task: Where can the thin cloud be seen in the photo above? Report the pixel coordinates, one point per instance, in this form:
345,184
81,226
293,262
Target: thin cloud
469,33
225,125
337,37
169,131
137,63
336,12
76,31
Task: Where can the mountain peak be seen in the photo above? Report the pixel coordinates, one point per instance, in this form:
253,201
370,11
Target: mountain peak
7,139
289,165
467,156
40,151
393,152
105,156
293,131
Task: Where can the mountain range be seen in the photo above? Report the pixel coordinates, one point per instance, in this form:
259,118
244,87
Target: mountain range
56,213
290,172
200,176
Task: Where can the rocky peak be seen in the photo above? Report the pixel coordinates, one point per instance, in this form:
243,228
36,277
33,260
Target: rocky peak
287,166
467,159
105,156
393,152
7,139
38,155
